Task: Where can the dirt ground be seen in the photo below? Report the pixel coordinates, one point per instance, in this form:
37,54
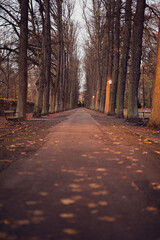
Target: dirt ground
23,140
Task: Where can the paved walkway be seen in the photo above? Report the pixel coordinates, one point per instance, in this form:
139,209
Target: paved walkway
80,186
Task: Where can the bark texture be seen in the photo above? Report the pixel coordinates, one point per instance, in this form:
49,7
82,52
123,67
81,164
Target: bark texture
22,93
136,53
47,57
155,113
124,59
116,59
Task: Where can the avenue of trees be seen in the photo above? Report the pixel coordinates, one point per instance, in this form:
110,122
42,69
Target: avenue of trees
38,49
121,50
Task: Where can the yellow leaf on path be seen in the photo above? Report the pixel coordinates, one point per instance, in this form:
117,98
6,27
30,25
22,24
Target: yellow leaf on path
101,169
44,194
92,205
94,211
94,185
6,222
102,203
158,152
139,171
152,209
38,212
7,161
156,185
107,219
67,201
99,177
12,146
70,231
77,198
67,215
30,203
100,193
22,222
23,153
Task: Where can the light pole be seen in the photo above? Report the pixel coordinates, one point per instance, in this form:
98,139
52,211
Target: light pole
108,90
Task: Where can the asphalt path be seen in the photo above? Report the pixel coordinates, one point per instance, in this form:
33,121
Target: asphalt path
80,186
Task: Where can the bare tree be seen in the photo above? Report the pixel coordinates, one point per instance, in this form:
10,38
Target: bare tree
116,59
22,94
124,58
47,57
136,53
155,113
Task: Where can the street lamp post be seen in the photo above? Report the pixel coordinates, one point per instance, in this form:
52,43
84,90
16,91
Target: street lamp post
108,90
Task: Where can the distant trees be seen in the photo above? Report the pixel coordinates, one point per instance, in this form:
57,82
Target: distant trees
122,34
52,56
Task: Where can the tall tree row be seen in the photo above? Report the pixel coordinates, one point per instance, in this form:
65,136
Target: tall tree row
52,56
120,31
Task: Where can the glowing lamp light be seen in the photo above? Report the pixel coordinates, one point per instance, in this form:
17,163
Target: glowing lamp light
110,81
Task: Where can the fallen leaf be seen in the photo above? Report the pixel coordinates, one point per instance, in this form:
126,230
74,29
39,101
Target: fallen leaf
67,215
22,222
158,152
67,201
101,169
152,209
156,185
6,161
70,231
44,194
102,203
77,198
38,212
100,193
94,211
6,222
92,205
107,219
94,185
139,171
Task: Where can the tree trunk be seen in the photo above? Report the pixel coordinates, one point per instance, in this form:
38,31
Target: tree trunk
40,87
124,59
22,93
155,113
136,53
59,62
116,59
47,57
